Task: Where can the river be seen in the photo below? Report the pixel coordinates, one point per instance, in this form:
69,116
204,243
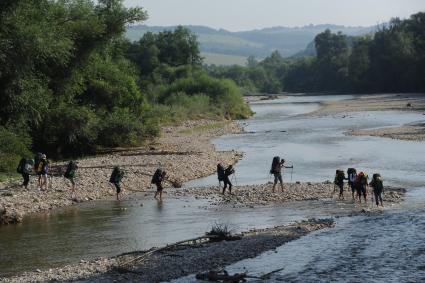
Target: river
315,145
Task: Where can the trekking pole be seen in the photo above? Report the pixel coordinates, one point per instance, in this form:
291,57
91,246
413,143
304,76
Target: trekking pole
292,171
236,181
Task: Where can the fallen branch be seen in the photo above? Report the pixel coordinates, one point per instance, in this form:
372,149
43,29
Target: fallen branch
168,247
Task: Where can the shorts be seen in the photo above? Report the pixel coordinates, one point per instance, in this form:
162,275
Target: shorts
278,177
159,187
118,187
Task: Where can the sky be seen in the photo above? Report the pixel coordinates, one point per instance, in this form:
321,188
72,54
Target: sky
237,15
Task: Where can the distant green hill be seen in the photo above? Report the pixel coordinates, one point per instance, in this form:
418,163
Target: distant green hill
260,43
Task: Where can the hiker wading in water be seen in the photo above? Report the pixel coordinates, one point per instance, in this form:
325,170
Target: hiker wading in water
276,170
229,171
378,188
116,177
157,179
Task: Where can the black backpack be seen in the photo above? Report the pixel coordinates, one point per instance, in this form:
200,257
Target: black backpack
21,166
339,176
229,171
116,175
157,176
70,169
220,172
275,164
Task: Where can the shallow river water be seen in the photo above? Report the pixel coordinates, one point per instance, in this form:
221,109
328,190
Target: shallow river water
315,145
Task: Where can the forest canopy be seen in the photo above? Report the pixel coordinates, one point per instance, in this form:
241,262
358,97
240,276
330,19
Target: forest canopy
390,60
70,83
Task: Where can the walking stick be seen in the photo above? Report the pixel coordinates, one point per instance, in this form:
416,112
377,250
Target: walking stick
292,171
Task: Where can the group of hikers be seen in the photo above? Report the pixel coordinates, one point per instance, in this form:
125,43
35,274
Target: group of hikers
357,182
224,174
359,185
40,165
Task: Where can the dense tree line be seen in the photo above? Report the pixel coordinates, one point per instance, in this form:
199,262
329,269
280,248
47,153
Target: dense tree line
70,83
390,60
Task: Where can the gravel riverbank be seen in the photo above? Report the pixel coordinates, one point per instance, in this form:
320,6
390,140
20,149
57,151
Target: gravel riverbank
185,152
410,132
254,195
412,102
176,261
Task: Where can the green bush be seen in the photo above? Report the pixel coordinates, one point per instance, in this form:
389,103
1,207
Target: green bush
12,148
123,128
67,130
225,98
193,107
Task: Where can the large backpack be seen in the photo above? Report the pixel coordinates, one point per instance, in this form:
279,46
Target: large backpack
220,172
28,166
351,174
377,182
157,176
45,169
229,171
361,179
70,170
37,160
116,176
339,176
275,163
21,166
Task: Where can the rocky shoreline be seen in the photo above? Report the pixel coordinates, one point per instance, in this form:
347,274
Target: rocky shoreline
414,102
411,102
185,152
256,195
177,261
409,132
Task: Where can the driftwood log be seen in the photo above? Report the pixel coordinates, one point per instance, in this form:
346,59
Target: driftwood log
222,276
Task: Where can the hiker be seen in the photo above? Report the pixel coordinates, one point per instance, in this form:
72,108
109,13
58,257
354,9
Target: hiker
339,181
351,176
116,177
37,159
70,175
42,171
276,170
157,179
25,168
378,188
361,186
229,171
220,173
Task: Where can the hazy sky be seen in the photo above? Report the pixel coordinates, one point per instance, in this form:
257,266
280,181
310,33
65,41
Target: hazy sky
250,14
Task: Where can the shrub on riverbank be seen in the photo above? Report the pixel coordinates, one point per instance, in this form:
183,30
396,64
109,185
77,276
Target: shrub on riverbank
12,148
